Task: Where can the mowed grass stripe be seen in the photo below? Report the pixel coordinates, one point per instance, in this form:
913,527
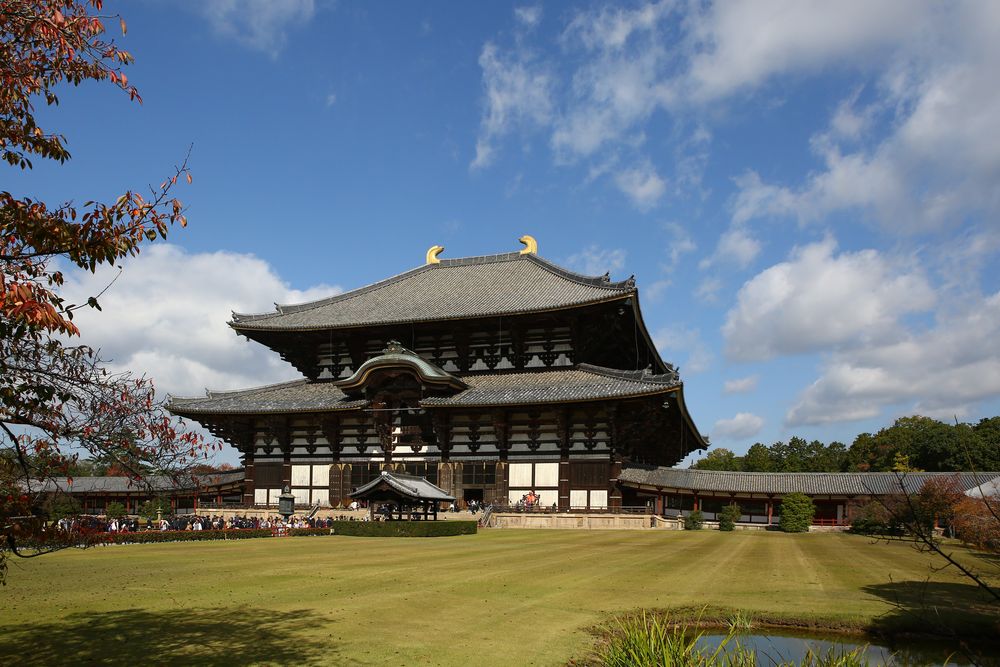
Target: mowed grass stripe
498,598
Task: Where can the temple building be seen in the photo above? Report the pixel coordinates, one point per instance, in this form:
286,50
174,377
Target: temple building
490,376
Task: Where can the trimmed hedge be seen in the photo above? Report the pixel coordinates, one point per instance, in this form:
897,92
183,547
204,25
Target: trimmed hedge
306,532
404,528
150,536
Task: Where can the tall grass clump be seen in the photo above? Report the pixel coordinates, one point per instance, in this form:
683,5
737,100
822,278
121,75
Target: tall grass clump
650,640
653,641
833,657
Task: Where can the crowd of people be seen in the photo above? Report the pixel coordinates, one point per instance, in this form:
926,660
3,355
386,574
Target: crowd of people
195,522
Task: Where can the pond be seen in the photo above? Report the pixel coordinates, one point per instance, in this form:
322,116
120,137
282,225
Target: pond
783,647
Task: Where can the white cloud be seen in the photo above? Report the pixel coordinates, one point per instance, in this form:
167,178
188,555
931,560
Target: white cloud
743,385
915,146
596,261
528,16
740,46
259,24
516,94
331,98
942,372
655,290
818,300
743,425
166,316
938,160
686,342
708,289
642,185
681,244
735,248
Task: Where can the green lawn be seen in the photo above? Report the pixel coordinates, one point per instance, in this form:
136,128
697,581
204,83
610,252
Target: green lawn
503,597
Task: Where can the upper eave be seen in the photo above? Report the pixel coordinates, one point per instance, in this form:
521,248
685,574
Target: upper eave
284,398
581,383
465,288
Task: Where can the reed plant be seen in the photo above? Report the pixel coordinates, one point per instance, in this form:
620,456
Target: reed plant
651,640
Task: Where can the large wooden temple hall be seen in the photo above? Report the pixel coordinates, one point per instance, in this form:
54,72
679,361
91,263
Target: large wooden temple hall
490,376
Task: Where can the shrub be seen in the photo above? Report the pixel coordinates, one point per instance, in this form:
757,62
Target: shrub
151,508
59,506
306,532
694,520
874,518
797,512
151,536
404,528
115,510
728,517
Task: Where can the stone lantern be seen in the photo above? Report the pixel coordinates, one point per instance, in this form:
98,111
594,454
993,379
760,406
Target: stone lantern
286,503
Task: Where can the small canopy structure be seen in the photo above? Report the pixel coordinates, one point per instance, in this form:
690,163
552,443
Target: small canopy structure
986,489
404,492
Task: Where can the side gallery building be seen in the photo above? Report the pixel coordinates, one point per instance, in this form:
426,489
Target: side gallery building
490,376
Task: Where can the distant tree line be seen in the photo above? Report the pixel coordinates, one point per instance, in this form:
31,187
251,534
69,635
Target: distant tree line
910,444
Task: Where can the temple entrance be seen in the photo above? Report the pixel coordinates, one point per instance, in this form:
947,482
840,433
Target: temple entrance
473,494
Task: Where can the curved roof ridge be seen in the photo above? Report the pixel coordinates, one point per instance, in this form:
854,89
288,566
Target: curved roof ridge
592,281
284,309
637,376
213,393
602,282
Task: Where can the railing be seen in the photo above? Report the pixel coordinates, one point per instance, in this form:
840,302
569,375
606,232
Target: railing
484,520
521,509
831,522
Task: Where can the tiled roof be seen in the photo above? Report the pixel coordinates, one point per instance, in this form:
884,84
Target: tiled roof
295,396
453,289
410,486
126,485
810,483
548,385
581,383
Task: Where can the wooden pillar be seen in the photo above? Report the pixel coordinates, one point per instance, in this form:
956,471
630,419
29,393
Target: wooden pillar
617,446
770,511
564,483
697,503
500,488
248,480
658,507
286,469
563,428
614,491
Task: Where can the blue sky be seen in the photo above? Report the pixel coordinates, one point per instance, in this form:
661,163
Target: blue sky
806,192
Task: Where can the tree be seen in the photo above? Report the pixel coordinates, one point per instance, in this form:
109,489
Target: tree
58,400
758,459
114,510
797,512
154,509
718,459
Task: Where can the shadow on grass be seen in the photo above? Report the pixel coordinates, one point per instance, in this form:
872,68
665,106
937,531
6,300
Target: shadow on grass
955,610
216,636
